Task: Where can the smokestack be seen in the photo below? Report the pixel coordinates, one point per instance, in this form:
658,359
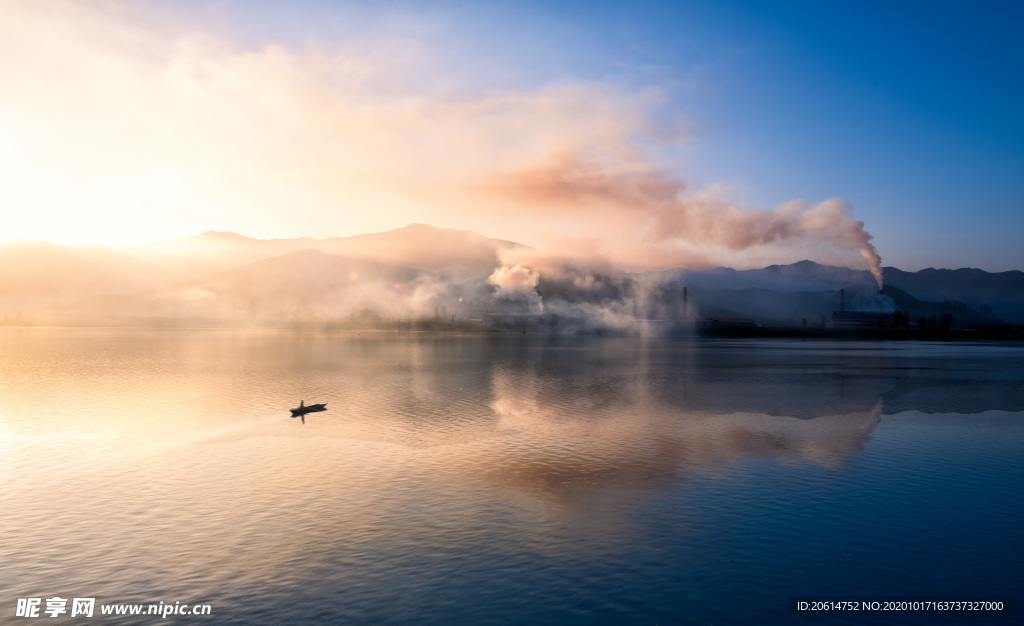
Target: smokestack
842,300
686,308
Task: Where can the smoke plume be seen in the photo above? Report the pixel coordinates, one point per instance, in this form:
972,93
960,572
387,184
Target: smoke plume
517,283
670,225
690,219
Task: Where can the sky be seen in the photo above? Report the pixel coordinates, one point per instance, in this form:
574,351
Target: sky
646,134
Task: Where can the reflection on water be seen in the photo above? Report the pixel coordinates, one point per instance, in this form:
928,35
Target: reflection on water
486,477
626,432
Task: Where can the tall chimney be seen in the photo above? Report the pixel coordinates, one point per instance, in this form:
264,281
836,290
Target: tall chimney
842,300
686,306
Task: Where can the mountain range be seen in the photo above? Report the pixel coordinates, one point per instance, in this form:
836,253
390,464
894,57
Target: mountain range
423,272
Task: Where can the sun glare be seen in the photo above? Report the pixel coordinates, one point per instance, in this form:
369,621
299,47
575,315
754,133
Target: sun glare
41,204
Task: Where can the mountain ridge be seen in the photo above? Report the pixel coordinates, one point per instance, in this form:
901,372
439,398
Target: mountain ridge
424,270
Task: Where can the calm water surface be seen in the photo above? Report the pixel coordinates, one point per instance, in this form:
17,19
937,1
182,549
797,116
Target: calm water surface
504,479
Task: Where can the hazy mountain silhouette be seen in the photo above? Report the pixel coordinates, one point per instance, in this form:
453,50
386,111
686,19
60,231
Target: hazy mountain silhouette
428,247
303,286
37,273
1003,292
800,276
213,251
416,245
422,271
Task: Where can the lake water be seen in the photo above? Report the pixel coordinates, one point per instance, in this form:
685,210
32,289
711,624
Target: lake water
491,479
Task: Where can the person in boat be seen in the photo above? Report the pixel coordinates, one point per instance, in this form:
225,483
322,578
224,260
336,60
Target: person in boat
303,409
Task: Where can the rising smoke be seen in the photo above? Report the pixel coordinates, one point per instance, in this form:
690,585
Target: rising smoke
668,222
517,283
726,225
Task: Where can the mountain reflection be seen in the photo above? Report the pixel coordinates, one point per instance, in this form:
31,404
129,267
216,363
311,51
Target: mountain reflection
611,436
583,426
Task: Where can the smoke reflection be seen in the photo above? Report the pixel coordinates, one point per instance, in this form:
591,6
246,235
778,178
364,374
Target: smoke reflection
609,439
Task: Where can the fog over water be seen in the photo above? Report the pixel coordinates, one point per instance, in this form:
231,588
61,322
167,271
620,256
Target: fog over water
469,478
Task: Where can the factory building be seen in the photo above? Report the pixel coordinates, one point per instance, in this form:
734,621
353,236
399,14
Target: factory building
859,319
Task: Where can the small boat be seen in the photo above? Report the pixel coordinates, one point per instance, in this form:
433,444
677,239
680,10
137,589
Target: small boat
303,409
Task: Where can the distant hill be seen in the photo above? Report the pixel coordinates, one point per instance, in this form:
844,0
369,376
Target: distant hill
416,245
37,273
213,251
800,276
301,286
427,247
1002,292
421,272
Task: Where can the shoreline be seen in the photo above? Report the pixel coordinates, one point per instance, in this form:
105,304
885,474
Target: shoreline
1007,333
